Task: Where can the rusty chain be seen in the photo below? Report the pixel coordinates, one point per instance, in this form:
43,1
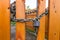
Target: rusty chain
31,19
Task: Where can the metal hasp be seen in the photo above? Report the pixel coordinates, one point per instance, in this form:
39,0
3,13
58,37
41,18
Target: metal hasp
54,20
20,14
4,20
41,9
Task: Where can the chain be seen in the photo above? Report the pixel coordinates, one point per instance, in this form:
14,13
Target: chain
31,19
43,14
13,10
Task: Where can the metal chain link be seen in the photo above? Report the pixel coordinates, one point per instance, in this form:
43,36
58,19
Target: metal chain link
43,14
13,10
31,19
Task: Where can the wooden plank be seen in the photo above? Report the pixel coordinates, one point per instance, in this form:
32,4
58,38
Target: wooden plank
20,14
4,20
54,19
41,9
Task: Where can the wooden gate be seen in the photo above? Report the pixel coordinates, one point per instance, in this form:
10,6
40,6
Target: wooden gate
53,20
4,20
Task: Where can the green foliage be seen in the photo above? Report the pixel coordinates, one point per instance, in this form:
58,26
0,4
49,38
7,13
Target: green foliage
29,30
13,23
28,8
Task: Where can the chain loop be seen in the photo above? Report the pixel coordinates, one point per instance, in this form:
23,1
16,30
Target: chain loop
31,19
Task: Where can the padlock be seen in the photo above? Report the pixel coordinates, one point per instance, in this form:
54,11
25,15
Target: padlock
36,23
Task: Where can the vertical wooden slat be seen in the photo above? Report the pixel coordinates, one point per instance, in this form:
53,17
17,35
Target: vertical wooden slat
4,20
41,9
54,19
20,14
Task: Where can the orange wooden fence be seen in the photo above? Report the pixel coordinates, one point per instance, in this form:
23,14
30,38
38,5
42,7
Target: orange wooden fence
51,22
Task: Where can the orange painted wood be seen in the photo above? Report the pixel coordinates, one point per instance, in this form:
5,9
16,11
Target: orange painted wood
29,25
54,20
4,20
20,14
41,9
